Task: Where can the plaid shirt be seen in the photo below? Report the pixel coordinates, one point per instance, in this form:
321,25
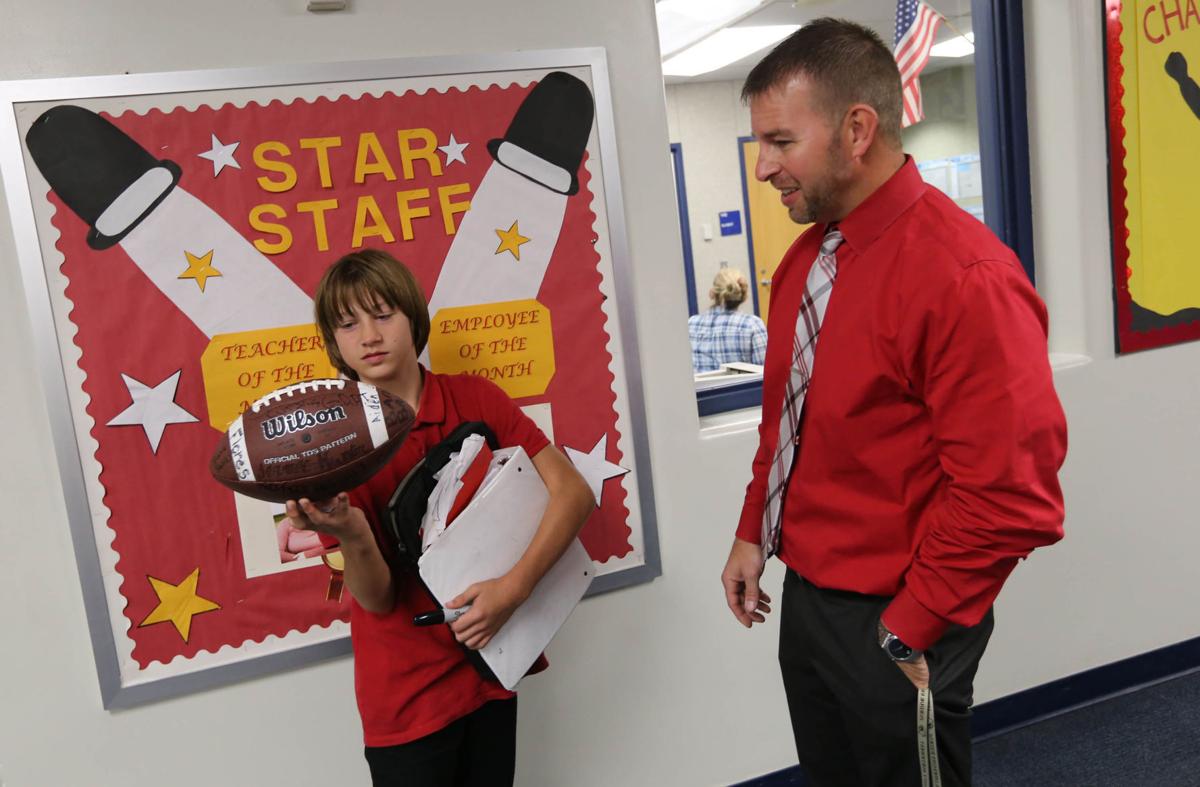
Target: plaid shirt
722,336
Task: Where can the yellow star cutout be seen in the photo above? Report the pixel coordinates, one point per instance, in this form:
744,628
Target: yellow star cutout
511,240
199,268
178,603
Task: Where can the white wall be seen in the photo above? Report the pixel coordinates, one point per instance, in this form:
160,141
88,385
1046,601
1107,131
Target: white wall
1124,580
652,685
951,124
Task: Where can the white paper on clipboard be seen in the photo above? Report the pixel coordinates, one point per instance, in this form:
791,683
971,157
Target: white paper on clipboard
485,541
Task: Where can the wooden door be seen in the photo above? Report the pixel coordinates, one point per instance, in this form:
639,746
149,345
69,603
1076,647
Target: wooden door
771,230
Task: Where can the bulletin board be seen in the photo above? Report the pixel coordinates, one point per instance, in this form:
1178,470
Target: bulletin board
1153,63
171,230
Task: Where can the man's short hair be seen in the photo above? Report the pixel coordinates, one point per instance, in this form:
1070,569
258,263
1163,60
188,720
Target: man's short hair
365,278
846,62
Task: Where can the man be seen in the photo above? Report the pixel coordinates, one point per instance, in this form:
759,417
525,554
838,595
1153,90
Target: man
926,462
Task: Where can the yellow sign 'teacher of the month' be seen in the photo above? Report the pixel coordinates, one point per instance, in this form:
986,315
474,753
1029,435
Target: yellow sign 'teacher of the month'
239,368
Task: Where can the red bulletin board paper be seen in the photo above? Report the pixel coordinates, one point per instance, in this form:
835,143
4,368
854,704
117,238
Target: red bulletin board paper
167,516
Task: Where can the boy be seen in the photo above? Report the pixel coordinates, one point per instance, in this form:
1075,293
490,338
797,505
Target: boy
428,716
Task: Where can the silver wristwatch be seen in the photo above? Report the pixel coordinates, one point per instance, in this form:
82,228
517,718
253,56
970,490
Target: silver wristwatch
895,647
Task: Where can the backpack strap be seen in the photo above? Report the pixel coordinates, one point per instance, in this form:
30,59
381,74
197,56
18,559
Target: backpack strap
406,508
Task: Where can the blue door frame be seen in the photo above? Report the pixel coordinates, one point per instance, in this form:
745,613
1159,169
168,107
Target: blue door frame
685,228
1003,123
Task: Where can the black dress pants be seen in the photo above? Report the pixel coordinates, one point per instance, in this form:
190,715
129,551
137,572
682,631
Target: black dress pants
854,713
478,750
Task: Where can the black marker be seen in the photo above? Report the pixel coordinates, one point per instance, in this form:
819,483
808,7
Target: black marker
437,616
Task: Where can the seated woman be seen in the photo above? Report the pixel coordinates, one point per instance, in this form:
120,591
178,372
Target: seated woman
723,334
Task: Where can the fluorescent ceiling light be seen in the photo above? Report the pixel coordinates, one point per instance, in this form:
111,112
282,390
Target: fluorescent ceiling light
725,47
959,46
682,23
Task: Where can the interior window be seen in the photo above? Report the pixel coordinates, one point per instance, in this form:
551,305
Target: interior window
733,224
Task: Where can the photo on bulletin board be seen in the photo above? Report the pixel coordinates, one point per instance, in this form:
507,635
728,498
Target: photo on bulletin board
1153,63
172,229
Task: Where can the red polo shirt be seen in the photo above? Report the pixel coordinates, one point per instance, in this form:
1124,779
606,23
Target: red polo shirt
932,435
412,681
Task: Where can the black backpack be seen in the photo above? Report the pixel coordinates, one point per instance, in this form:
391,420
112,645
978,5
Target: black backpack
406,508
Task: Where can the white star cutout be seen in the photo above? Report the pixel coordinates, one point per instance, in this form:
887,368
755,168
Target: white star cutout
594,467
221,155
153,408
454,150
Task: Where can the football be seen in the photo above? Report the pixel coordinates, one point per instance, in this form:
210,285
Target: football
313,439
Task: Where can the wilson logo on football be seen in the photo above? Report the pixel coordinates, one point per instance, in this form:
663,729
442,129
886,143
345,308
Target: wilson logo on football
298,421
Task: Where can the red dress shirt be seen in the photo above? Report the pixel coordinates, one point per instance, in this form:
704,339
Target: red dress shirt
931,436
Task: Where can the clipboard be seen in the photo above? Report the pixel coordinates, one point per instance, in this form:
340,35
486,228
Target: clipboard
486,540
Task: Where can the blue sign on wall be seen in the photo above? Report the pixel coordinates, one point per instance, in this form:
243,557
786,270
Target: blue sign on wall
731,222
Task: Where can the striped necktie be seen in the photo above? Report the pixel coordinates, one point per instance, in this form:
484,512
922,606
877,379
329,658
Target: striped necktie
804,342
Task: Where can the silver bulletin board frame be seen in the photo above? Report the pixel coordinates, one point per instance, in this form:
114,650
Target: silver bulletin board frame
119,688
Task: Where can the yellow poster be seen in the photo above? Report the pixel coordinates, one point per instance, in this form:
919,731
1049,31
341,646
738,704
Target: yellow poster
1154,65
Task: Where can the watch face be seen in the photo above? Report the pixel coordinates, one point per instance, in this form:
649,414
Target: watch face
898,650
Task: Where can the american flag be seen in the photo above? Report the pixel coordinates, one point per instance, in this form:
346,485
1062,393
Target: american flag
916,25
